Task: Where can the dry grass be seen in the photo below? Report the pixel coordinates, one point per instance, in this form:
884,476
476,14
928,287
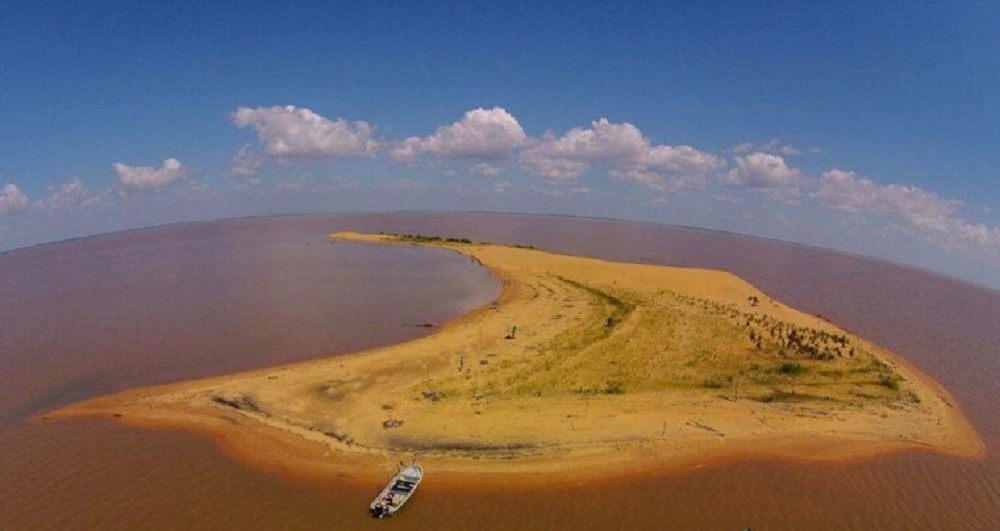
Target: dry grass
629,342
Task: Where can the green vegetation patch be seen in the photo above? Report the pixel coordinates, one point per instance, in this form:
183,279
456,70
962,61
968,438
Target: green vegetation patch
791,368
626,342
779,395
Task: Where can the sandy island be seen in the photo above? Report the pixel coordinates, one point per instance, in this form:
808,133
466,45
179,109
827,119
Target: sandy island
614,369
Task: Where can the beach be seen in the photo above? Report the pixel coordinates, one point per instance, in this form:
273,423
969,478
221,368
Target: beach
582,368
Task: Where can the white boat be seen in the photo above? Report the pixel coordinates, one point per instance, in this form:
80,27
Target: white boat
398,491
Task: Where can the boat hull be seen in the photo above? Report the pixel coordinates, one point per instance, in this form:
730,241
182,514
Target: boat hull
399,491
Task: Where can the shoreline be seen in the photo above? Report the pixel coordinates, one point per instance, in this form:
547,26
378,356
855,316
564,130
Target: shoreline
278,429
300,463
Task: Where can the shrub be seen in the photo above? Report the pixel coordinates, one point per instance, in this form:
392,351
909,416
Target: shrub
613,387
712,383
889,382
791,369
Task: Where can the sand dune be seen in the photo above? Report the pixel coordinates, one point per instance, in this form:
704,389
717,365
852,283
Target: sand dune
613,369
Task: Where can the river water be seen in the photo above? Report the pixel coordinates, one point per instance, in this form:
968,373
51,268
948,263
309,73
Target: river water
92,316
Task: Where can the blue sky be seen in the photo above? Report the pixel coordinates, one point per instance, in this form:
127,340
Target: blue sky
862,126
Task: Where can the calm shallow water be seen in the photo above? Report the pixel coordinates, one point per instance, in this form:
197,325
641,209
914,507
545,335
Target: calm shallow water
84,318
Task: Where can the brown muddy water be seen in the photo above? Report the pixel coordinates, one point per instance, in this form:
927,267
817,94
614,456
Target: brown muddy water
88,317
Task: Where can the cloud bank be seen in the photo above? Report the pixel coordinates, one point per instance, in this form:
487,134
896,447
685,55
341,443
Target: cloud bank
489,144
910,207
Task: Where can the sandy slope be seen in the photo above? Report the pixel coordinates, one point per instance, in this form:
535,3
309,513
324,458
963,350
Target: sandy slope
615,369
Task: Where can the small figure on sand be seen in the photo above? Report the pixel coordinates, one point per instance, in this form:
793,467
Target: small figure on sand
461,363
513,333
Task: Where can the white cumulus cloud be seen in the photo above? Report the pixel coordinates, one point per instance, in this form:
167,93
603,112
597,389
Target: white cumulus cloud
766,174
293,132
913,207
70,193
489,134
622,149
572,154
147,177
12,200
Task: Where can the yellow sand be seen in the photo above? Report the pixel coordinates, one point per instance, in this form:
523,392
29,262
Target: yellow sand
615,369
